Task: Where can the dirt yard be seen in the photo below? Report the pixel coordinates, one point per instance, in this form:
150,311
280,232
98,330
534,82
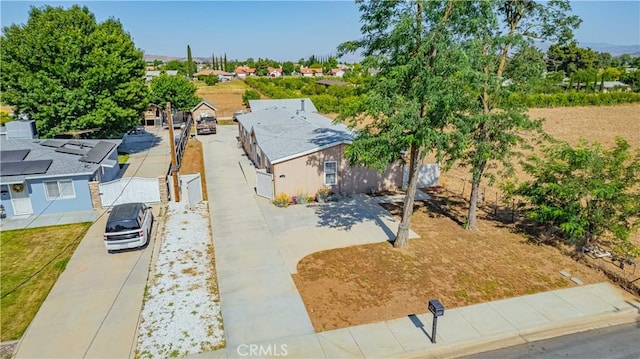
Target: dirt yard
364,284
226,96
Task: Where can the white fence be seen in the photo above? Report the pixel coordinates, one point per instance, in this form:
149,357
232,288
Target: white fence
264,184
427,176
129,189
192,184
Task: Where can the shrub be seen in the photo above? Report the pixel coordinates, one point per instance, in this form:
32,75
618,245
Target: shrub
301,198
282,200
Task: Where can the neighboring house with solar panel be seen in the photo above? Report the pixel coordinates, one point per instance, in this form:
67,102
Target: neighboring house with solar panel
52,176
297,150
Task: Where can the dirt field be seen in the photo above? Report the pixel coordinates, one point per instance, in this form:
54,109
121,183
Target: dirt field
596,123
226,96
364,284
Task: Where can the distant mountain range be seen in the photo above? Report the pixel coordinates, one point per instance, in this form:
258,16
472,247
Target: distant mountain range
614,50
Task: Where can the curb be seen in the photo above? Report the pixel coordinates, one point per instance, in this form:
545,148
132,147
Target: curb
504,340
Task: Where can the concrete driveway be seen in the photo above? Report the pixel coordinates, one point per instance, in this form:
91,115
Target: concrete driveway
93,309
152,149
258,245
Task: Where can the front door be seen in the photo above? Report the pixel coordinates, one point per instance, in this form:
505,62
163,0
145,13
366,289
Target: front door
20,199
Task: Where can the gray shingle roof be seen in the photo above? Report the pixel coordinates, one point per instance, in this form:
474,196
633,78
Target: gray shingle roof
283,133
291,103
63,163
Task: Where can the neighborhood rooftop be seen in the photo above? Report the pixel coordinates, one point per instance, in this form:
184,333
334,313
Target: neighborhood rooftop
67,157
291,103
285,132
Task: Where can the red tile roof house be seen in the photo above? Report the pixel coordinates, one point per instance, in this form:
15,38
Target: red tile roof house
274,72
244,71
310,72
295,150
336,72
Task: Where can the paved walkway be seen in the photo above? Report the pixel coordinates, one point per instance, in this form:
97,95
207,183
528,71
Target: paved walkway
258,245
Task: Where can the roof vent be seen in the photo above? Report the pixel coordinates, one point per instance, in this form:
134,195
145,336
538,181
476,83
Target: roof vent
301,104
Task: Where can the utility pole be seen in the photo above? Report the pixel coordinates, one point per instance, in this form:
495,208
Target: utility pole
174,162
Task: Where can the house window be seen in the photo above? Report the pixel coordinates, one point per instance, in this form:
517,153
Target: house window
330,173
59,190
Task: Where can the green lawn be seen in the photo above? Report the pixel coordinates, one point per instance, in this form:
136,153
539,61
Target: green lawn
30,262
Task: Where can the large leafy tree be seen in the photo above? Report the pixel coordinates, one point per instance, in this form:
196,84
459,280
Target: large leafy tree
570,58
175,89
587,192
69,72
492,134
416,94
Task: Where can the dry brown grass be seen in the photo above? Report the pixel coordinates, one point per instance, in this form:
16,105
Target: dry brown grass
193,162
226,96
370,283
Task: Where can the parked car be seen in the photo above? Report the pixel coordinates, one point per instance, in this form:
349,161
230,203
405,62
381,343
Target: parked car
206,124
128,226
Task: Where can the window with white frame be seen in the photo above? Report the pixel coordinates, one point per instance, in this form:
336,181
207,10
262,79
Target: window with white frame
330,173
59,190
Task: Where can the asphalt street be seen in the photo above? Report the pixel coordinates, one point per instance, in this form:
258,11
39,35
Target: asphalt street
618,342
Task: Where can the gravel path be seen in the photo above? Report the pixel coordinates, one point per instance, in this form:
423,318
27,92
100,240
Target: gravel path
181,314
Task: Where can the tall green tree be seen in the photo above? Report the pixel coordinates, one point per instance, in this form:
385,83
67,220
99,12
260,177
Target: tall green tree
69,72
587,192
408,105
224,65
493,135
175,89
190,63
569,58
288,67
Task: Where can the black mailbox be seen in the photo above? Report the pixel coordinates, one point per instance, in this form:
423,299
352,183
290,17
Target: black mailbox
436,307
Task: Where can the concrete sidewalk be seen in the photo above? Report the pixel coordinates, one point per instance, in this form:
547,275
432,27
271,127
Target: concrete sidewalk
461,331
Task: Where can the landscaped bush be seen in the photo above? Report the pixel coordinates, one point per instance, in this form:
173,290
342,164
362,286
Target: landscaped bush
302,197
282,200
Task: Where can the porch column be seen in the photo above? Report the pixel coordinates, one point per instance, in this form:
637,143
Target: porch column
94,190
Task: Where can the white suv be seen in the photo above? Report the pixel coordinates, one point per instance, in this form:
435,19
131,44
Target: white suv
128,226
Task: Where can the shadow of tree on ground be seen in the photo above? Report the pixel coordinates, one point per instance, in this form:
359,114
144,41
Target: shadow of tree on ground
347,212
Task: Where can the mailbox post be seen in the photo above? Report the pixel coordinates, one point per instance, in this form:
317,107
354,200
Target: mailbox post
437,309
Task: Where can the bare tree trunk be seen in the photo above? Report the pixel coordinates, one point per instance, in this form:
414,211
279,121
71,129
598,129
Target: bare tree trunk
473,205
402,237
475,194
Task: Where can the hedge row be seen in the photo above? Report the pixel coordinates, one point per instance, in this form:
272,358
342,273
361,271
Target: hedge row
563,99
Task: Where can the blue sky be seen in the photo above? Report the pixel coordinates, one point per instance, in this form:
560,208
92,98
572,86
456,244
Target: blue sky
285,30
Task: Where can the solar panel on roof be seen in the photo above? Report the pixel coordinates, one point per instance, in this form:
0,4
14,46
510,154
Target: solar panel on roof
36,167
13,155
11,168
52,143
71,151
98,152
24,167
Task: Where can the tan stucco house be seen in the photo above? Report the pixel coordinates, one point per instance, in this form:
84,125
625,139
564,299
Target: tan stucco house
296,150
